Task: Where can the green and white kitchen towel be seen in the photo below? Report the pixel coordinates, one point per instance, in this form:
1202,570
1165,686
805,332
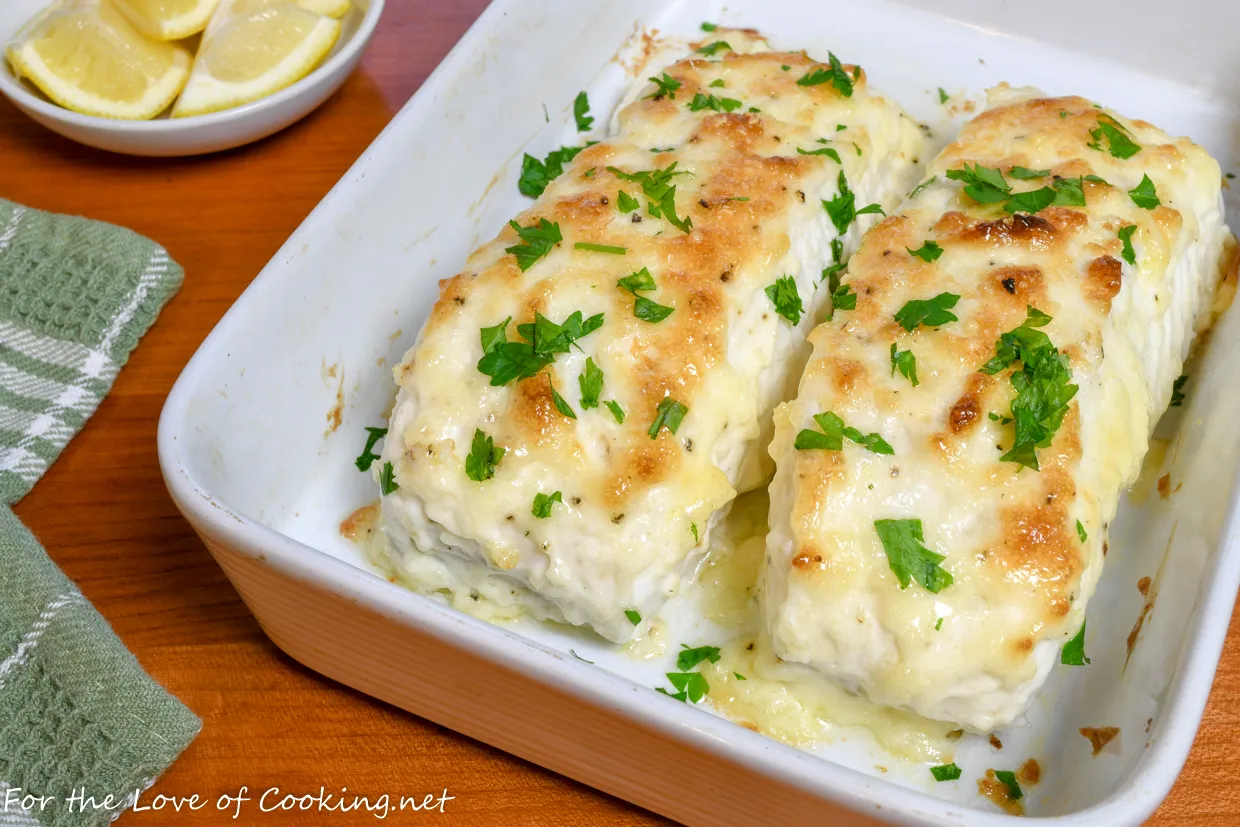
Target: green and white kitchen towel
77,713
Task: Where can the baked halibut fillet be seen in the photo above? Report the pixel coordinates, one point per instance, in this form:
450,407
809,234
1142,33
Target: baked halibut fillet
592,390
948,469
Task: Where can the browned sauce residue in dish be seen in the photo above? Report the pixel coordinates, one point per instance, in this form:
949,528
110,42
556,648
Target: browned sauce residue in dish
360,525
1030,772
1143,586
1164,486
995,742
992,788
1099,737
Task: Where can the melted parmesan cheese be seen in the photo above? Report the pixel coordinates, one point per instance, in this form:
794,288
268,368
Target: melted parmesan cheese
623,538
1022,576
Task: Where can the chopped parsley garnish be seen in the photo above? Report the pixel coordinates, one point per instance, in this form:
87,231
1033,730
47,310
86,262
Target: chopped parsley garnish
826,150
1125,235
943,96
668,415
938,624
831,438
783,294
945,772
689,658
927,252
1042,386
709,27
536,174
693,528
633,615
543,503
905,362
483,456
505,361
561,404
689,686
1030,202
644,308
1069,192
1144,195
917,189
581,112
711,49
1080,531
367,458
835,74
1177,391
536,242
1008,779
1002,420
842,295
701,102
667,86
616,410
600,248
387,479
1118,142
929,312
657,186
739,676
842,209
591,383
1025,174
626,202
908,556
717,83
983,184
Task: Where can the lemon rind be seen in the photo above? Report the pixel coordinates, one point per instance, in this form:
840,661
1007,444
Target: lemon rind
204,94
178,28
29,64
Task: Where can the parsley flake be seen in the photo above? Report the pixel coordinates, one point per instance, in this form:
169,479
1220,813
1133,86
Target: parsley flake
1025,174
927,252
905,362
711,49
1042,386
591,383
367,458
943,96
917,189
666,87
689,658
1125,235
483,456
689,686
831,438
717,83
929,312
505,361
581,112
1008,779
693,527
983,184
783,294
1177,391
536,174
616,410
668,415
711,102
657,186
387,479
826,150
739,676
536,241
1118,142
600,248
709,27
543,503
561,404
835,74
1144,195
908,556
1030,202
633,615
626,203
946,772
1080,531
644,308
842,209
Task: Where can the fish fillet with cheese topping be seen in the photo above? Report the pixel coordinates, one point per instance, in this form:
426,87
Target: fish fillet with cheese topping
594,388
948,469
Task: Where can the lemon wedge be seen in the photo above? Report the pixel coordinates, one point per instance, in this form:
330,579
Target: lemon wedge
331,8
86,57
168,19
252,49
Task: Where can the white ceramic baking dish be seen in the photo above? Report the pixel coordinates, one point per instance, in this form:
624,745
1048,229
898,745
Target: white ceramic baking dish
252,455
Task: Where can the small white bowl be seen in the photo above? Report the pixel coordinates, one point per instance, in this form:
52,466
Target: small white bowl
166,136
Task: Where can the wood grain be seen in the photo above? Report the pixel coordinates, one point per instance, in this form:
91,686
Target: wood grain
105,517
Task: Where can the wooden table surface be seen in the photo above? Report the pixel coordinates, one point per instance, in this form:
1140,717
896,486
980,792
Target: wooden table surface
105,517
